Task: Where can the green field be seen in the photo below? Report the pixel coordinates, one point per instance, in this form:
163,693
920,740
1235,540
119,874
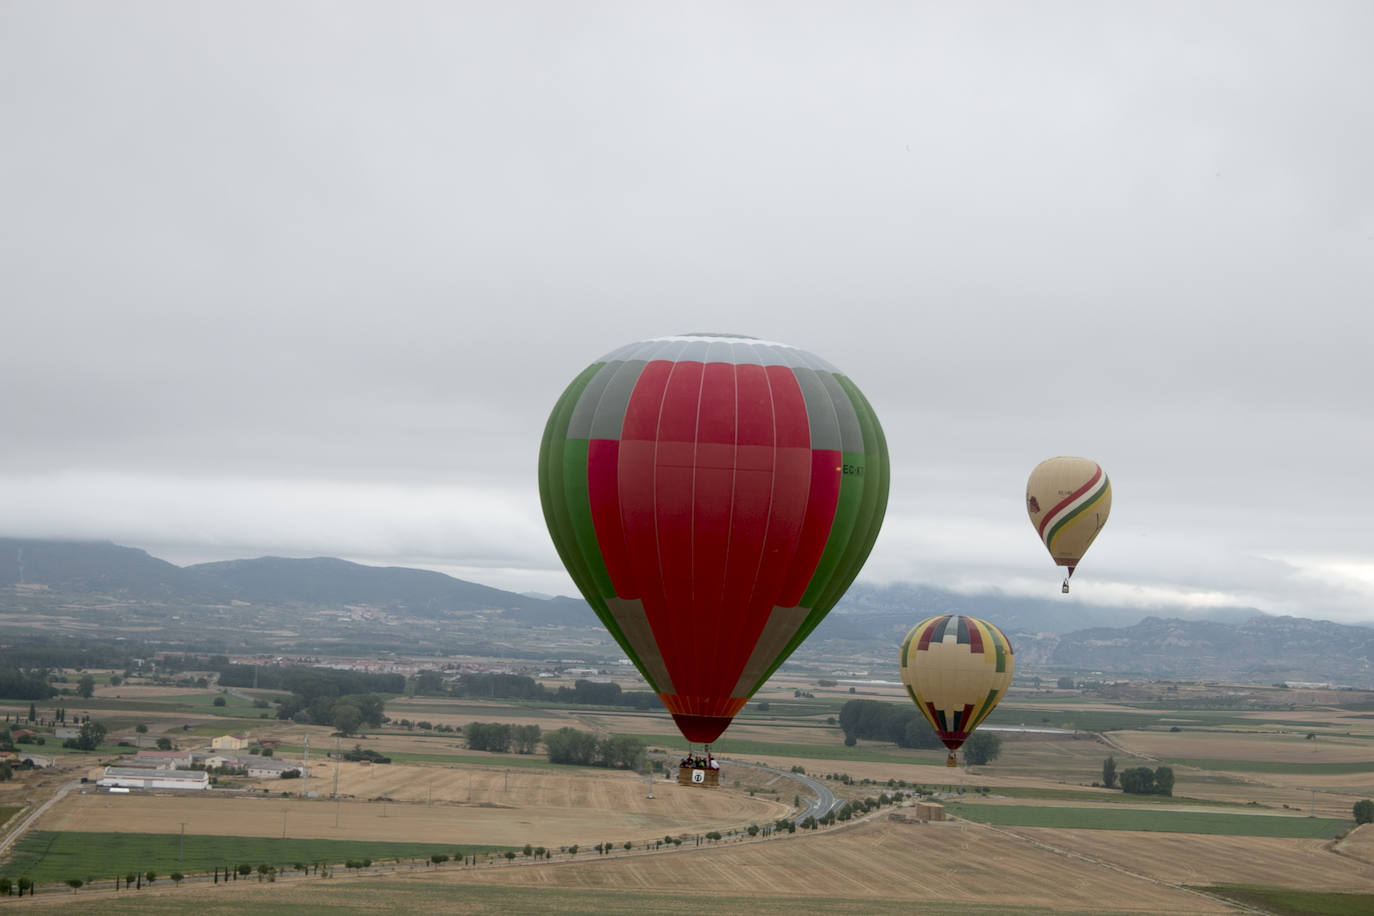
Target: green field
1285,902
1270,825
1083,795
7,812
1275,766
50,856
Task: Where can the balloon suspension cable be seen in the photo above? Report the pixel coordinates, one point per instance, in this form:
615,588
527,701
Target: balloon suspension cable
953,761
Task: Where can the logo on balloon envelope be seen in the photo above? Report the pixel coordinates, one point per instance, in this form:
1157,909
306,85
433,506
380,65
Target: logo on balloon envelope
712,497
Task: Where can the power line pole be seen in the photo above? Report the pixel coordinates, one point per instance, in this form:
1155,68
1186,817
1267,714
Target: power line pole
181,843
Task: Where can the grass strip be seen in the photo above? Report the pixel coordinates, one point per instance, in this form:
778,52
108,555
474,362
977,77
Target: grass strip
1275,766
1288,902
1085,795
1200,822
50,856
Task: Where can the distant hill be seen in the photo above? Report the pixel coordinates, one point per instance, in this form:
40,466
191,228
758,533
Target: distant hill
103,568
96,566
870,621
883,611
1262,649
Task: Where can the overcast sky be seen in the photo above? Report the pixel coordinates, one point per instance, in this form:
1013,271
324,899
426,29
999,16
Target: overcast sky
305,279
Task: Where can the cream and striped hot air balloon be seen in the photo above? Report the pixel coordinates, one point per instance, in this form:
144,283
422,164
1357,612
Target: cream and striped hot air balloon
956,669
1068,500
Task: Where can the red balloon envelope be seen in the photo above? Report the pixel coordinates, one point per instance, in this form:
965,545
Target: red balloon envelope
712,497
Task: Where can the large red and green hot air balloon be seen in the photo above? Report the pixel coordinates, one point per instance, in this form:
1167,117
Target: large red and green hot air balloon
956,670
712,497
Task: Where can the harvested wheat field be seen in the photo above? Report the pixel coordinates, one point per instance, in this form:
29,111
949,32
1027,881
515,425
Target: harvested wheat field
1185,858
149,691
550,809
1358,844
874,867
954,862
1284,748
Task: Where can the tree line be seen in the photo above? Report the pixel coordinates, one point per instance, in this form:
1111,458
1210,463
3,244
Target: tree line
25,684
310,682
1138,780
501,737
565,745
523,687
873,720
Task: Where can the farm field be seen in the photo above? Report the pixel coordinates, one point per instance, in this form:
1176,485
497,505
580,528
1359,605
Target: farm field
1285,902
1236,773
1166,821
874,867
56,857
1197,859
1278,747
548,809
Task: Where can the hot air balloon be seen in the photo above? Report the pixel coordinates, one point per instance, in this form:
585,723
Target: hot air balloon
956,669
1068,500
712,497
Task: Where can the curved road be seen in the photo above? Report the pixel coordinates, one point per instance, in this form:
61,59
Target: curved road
825,799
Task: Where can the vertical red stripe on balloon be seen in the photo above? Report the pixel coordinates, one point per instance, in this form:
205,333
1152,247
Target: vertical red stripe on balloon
714,485
716,418
791,425
975,638
789,488
674,481
638,445
677,416
603,491
755,407
791,481
824,492
641,413
635,483
926,634
749,514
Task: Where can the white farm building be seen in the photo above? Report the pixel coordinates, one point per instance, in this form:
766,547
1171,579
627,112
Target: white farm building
144,778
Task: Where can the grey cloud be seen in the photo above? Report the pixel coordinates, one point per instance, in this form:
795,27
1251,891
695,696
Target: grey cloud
343,248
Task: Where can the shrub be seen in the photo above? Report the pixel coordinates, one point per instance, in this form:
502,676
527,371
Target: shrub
1364,812
982,748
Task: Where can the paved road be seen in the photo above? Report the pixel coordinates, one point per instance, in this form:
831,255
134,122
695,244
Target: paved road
35,814
825,799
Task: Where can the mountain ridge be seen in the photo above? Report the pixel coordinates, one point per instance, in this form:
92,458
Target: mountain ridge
869,622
